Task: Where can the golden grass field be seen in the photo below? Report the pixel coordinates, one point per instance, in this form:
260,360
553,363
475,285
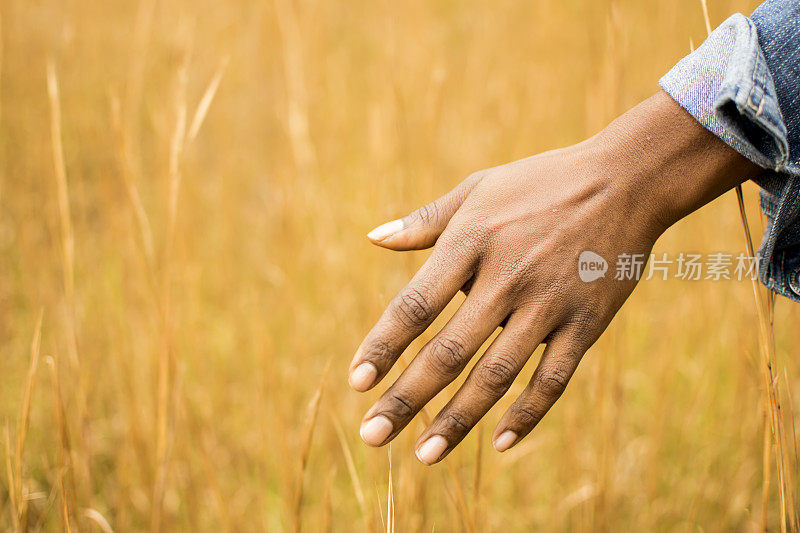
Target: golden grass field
184,194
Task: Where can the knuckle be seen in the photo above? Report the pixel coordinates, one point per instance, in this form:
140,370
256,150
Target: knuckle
496,376
457,422
428,213
526,416
553,382
449,354
400,405
413,308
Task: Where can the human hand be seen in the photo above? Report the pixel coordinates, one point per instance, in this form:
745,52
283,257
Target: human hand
510,237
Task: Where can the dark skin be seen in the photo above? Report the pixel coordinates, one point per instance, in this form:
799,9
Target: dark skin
512,236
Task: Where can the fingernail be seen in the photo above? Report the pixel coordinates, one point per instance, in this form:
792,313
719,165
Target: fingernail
384,231
432,449
363,376
504,441
376,430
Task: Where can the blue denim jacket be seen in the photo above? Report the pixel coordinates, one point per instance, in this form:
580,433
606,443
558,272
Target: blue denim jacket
743,84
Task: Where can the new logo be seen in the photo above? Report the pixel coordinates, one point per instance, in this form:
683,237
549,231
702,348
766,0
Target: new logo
591,266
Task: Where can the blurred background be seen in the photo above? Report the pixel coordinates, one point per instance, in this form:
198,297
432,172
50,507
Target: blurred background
184,192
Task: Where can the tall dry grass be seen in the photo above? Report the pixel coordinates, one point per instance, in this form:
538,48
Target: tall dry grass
786,457
184,187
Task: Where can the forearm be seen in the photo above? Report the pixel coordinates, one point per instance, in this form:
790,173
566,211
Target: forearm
666,162
742,85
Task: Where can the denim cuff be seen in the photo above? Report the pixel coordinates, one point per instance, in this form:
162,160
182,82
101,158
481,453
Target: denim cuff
727,86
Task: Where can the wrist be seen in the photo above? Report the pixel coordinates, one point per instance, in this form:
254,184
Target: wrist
668,165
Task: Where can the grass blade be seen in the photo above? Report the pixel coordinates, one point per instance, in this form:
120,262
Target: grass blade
312,411
205,102
351,469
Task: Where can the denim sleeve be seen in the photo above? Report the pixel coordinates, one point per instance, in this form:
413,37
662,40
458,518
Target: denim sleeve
743,85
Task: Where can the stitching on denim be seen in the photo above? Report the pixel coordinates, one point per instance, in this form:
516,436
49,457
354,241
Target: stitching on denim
749,102
755,78
782,273
743,143
783,154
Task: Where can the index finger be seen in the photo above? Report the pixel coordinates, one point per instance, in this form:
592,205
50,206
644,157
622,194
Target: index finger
408,315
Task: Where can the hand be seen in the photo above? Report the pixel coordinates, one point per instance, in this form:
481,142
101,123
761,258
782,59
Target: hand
510,237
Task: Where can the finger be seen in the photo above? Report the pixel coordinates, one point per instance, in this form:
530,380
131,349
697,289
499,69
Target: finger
438,363
421,228
560,359
409,314
489,380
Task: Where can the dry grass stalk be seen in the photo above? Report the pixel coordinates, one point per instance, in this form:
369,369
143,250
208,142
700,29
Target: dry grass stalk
16,490
12,496
176,147
126,171
205,101
766,460
390,497
770,390
65,218
706,18
51,499
205,437
461,499
25,410
791,417
305,155
65,479
166,363
68,259
98,519
790,456
765,309
65,511
476,479
327,518
351,469
380,509
305,449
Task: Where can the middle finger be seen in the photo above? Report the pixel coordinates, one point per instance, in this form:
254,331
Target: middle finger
439,362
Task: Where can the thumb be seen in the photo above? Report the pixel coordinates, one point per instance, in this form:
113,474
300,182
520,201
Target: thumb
421,228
